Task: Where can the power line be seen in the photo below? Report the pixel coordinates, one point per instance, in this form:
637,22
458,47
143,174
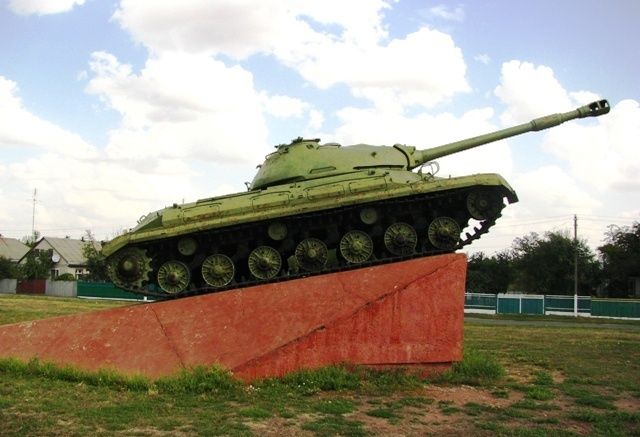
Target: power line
603,218
515,222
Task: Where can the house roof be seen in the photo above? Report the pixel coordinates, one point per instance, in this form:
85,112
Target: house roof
12,249
70,250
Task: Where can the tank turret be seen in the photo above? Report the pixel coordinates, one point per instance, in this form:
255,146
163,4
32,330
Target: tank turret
314,208
308,159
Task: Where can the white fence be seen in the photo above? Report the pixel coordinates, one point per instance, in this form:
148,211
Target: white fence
61,288
52,288
8,286
517,303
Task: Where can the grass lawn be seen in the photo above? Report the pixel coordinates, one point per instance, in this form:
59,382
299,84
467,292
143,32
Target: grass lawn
20,308
514,381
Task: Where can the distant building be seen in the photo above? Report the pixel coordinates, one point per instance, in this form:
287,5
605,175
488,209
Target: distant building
12,249
66,255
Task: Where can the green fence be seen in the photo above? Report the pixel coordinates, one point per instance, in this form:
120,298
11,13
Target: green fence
532,305
508,305
480,301
539,304
565,304
104,290
616,308
520,304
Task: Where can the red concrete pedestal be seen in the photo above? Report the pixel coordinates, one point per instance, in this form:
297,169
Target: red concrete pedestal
403,314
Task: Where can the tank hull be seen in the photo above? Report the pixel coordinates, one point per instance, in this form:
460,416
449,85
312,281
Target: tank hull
219,243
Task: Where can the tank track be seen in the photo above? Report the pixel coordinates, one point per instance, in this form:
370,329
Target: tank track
329,226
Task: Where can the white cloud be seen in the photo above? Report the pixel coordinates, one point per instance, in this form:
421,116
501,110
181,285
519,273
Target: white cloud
75,195
483,58
149,162
78,186
283,106
584,97
242,28
530,91
399,73
42,7
552,191
447,13
181,106
328,43
316,119
601,152
595,162
19,128
236,28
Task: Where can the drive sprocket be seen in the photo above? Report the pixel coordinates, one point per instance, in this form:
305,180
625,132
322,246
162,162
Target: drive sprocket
129,268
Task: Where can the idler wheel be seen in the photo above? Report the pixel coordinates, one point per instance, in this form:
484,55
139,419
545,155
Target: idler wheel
311,254
218,270
356,246
129,268
444,233
484,204
264,262
400,239
174,277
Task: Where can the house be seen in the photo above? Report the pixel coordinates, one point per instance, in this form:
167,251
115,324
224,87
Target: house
66,255
12,249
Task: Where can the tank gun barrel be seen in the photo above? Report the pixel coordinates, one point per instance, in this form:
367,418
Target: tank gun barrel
593,109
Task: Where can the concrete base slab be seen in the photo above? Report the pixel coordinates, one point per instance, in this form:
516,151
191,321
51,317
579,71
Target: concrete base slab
403,314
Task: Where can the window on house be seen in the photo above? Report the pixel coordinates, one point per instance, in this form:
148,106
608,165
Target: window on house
54,273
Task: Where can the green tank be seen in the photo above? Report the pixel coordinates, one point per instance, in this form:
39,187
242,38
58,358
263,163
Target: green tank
314,208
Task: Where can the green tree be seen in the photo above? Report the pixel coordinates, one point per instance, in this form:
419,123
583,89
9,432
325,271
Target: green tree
546,265
31,240
489,274
620,258
37,264
96,263
66,277
8,269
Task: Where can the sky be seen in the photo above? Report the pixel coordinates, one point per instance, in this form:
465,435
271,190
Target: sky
112,109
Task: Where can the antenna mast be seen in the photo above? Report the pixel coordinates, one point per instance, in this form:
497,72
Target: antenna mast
33,213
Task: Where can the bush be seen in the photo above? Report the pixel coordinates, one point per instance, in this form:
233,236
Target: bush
8,270
66,277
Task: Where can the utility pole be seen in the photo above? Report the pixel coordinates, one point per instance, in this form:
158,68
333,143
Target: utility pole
575,264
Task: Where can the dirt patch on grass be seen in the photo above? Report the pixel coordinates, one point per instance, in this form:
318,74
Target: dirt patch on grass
154,432
461,395
434,409
278,426
627,403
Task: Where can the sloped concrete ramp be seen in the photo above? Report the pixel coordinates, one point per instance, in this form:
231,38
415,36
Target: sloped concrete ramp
402,314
